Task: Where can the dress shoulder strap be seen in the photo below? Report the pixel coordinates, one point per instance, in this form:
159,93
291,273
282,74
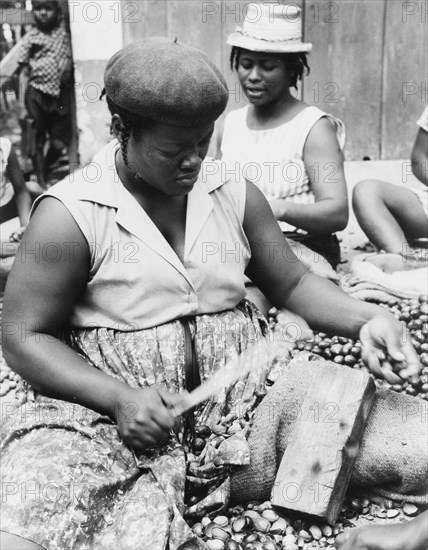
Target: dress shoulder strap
306,119
235,119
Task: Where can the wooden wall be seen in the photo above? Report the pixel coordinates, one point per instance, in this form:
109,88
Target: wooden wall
369,67
368,64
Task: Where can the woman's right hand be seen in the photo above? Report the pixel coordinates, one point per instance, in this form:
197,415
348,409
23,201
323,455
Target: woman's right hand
144,416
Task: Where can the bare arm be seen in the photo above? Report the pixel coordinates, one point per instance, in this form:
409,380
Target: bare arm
324,165
420,156
39,298
285,281
22,196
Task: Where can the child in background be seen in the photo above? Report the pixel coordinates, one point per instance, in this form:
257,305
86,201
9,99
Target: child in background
45,70
390,215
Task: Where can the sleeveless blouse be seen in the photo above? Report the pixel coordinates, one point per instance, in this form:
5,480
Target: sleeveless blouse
136,280
272,159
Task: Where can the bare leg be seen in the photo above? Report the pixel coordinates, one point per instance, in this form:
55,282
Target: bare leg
54,153
388,214
412,535
13,542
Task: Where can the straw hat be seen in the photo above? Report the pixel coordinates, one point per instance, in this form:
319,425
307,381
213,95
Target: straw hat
271,28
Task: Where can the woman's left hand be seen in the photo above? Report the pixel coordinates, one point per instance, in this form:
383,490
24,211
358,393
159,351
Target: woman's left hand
383,339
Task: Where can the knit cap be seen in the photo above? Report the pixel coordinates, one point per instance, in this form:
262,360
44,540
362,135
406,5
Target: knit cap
166,81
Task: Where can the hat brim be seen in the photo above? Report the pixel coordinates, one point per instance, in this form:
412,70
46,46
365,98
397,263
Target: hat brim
257,45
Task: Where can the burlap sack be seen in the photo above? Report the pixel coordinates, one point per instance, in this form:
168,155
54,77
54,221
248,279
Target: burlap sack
392,461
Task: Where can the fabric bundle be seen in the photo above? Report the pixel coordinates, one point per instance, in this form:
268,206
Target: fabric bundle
368,281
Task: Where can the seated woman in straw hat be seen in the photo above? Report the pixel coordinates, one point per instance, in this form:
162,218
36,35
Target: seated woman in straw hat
290,150
124,294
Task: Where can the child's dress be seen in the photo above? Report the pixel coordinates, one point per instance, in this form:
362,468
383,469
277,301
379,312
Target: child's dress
47,54
47,97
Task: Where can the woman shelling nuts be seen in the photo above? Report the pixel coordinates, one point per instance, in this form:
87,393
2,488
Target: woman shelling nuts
126,305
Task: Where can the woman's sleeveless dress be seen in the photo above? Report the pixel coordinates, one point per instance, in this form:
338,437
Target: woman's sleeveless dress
68,480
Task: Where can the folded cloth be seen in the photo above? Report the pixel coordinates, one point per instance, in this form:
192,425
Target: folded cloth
392,461
365,275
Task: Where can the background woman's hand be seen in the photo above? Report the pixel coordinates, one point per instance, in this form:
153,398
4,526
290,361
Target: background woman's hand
144,417
16,236
387,349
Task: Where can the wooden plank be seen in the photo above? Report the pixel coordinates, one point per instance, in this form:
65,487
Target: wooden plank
229,15
405,76
345,77
190,23
199,24
73,147
316,467
9,63
360,60
15,16
142,19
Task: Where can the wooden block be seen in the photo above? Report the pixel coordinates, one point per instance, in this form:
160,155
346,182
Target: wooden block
316,467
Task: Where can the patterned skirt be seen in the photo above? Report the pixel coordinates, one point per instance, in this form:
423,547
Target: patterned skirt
69,481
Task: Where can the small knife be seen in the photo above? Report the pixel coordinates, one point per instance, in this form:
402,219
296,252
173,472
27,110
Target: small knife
226,376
